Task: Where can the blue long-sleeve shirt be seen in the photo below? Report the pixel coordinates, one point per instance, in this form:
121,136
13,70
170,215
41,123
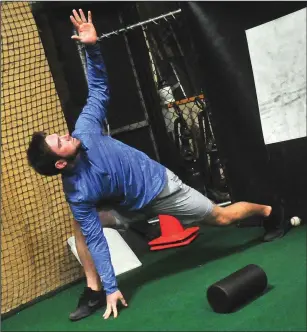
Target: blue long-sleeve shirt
105,169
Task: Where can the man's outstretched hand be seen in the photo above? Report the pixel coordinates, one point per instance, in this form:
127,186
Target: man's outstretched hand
85,28
112,300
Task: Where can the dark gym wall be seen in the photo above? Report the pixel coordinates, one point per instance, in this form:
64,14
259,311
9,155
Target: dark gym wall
256,172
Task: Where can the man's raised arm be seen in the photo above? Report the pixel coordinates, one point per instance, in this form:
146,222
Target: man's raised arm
94,112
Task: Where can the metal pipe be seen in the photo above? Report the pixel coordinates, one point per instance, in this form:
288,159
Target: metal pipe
133,26
224,203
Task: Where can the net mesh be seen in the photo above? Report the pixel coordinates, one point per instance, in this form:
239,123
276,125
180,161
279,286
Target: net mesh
186,112
164,51
36,220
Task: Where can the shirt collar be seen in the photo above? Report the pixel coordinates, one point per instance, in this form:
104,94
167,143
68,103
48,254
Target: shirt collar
78,163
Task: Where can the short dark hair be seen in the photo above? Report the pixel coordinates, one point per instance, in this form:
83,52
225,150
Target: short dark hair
41,157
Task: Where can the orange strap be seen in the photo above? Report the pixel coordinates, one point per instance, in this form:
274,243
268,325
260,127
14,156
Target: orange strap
185,101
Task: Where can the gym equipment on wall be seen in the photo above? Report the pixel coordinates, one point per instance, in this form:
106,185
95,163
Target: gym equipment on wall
209,158
187,146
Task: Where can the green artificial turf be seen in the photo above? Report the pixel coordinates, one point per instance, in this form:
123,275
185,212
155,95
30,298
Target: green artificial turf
169,291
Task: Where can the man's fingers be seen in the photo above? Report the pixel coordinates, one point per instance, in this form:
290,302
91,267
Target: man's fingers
77,17
75,37
123,301
82,16
108,311
89,17
112,301
114,309
74,22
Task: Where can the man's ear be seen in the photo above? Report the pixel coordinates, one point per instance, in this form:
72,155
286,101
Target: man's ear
61,164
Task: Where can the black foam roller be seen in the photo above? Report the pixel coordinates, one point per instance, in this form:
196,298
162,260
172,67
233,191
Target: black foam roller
237,289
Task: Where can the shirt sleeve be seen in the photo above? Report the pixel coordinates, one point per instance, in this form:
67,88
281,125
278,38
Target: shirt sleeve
94,111
92,230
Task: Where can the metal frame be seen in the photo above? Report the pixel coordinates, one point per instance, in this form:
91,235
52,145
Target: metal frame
130,127
140,95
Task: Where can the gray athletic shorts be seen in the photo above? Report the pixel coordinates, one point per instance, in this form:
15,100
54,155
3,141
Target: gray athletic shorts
176,199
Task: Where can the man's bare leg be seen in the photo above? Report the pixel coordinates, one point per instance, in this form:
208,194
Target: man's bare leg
224,216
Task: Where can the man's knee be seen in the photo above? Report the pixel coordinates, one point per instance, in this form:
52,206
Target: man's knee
106,218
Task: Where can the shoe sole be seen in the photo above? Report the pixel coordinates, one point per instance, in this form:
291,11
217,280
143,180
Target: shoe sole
93,310
278,235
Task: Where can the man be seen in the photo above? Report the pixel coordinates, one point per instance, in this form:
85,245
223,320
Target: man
99,170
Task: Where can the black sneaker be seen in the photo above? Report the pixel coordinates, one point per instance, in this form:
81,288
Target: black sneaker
88,303
276,225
